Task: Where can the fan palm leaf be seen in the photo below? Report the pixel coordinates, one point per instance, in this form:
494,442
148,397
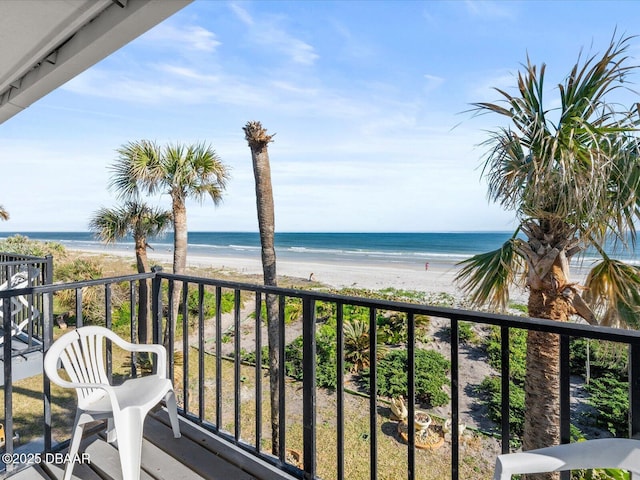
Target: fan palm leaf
4,215
613,291
487,277
133,217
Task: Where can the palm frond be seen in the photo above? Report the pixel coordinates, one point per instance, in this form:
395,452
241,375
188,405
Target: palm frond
133,217
110,224
4,215
138,167
487,277
613,293
195,171
569,168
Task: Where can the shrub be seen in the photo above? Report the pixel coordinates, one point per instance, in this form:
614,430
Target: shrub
466,334
492,385
78,269
517,352
431,376
24,246
326,358
208,303
292,311
326,363
610,397
393,327
92,297
492,388
605,358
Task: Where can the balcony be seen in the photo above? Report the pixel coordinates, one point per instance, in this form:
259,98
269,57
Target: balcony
225,410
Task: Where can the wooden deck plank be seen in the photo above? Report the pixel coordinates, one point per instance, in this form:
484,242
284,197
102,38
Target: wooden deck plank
230,453
105,460
201,460
162,466
197,455
34,472
80,472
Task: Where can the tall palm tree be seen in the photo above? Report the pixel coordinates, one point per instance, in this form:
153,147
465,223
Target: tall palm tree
572,177
182,172
141,221
4,215
258,141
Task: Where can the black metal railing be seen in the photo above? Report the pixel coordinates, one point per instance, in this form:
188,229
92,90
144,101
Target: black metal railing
72,298
171,284
213,383
22,315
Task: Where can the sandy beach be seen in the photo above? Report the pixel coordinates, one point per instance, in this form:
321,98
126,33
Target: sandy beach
438,278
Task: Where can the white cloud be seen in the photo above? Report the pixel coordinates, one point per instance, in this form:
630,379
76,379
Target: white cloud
242,14
188,37
489,9
268,35
433,81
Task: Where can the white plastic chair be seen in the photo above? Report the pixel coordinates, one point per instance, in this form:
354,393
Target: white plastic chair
82,353
622,453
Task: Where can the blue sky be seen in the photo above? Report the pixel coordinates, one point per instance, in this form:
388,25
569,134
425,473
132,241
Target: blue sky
367,100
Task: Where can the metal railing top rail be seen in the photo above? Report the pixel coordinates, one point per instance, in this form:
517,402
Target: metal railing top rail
503,320
55,287
20,257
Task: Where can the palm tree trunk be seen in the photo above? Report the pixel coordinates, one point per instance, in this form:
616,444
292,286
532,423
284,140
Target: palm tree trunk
542,382
258,141
144,320
180,237
180,242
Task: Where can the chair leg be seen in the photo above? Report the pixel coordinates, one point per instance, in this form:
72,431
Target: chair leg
76,438
129,425
172,408
111,431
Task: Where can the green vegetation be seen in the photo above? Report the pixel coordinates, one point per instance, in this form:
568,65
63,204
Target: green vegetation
610,397
608,388
491,386
431,376
326,363
25,246
208,303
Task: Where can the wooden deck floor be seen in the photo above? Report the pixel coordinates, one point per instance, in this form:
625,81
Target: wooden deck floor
197,455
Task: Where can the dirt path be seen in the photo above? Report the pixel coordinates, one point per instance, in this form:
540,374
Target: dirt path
247,331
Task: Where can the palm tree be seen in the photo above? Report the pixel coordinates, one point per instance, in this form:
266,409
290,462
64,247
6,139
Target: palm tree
140,221
258,141
193,171
4,215
182,172
572,177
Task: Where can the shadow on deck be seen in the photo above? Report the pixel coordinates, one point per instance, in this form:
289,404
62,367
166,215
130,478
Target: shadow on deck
196,455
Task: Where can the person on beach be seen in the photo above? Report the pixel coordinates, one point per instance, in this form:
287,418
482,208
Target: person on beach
426,266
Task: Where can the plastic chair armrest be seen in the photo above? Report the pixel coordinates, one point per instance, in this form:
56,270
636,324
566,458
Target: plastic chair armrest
159,350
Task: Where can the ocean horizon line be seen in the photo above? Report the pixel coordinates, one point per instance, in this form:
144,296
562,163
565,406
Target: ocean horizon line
348,232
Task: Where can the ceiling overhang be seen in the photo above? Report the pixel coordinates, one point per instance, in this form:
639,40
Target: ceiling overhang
45,43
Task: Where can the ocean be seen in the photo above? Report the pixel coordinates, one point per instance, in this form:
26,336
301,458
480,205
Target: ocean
409,249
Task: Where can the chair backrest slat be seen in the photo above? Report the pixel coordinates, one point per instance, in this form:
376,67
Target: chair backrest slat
83,361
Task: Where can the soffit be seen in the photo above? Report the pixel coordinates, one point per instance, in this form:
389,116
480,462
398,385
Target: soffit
45,43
